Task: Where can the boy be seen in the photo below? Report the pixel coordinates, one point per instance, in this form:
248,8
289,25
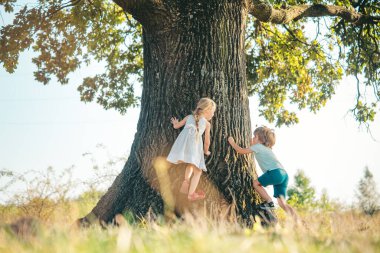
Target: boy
273,171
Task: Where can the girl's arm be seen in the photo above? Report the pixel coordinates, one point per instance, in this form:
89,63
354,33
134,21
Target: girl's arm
239,149
178,124
207,139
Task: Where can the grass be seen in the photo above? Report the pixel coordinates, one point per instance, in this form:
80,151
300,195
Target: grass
344,231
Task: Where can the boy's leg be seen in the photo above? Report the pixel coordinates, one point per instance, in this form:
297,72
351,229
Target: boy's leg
276,177
263,181
287,208
280,193
261,191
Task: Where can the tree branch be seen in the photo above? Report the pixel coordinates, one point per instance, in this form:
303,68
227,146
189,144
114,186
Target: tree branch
63,6
263,11
294,36
134,6
148,12
129,5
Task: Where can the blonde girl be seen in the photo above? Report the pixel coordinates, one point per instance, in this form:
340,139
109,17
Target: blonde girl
189,147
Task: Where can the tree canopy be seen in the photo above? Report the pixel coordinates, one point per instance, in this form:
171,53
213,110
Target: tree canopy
302,194
295,56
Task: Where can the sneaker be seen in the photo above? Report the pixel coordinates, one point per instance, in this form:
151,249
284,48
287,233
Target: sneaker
266,205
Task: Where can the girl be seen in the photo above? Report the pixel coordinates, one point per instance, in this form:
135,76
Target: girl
273,171
188,147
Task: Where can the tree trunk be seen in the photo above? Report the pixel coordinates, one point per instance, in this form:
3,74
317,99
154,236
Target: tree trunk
197,51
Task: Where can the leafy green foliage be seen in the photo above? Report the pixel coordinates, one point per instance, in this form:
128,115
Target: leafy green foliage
287,66
8,5
326,204
367,195
67,36
302,194
365,112
362,55
283,66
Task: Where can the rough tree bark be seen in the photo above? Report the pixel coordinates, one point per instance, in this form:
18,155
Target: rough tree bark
192,49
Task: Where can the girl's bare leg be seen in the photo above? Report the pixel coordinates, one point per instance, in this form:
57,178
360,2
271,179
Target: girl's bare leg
186,183
195,180
188,172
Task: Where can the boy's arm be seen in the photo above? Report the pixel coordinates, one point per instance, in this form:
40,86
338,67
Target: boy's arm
178,124
239,149
207,139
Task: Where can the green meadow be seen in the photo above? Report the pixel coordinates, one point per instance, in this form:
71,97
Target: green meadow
323,231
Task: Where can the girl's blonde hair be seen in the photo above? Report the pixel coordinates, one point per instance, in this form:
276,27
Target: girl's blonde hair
203,105
266,136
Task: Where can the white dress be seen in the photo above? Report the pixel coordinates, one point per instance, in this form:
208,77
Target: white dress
188,147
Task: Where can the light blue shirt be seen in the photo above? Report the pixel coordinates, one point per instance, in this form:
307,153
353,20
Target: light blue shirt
265,157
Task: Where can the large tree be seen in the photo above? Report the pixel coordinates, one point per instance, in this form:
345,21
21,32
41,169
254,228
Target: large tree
182,50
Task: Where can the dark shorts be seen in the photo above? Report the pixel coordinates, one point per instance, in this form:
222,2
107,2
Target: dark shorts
278,178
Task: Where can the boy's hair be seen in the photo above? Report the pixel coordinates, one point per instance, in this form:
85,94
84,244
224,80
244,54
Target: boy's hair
266,136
